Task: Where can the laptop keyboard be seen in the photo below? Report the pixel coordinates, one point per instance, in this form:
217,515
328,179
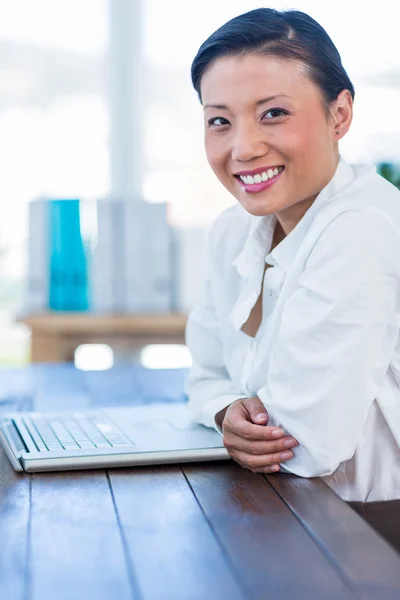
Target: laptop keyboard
74,432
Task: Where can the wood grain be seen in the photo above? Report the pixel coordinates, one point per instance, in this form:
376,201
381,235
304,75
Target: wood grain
364,558
14,531
76,548
206,531
171,546
266,545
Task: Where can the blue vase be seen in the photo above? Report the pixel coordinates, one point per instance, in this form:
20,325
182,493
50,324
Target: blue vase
68,290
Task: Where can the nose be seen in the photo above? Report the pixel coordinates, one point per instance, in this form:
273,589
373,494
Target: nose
248,143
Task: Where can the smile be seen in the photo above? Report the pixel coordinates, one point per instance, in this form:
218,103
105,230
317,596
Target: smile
263,176
259,181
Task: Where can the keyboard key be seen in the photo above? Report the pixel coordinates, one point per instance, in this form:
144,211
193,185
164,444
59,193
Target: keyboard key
40,445
75,432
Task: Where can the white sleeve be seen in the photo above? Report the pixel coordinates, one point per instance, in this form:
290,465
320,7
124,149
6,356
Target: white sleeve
208,385
337,336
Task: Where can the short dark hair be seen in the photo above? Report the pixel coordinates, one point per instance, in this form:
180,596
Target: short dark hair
289,34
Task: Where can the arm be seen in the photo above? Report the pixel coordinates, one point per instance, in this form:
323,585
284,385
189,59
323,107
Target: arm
208,385
337,335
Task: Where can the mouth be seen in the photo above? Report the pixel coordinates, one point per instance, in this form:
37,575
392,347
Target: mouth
256,181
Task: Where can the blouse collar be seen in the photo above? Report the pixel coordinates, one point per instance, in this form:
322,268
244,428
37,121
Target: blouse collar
259,239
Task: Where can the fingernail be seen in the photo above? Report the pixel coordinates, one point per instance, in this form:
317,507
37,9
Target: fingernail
286,455
261,417
277,433
290,443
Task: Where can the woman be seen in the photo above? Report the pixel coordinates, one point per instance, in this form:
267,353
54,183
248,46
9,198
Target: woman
297,330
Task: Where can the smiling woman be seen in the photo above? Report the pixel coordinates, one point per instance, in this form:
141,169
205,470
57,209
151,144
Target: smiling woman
284,105
295,341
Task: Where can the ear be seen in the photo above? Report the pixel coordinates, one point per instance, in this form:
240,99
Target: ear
341,114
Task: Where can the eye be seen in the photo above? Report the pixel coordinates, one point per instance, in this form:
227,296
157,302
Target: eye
217,122
276,112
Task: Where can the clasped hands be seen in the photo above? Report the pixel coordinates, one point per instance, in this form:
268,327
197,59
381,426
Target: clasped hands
249,440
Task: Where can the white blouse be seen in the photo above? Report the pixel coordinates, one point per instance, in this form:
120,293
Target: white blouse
326,358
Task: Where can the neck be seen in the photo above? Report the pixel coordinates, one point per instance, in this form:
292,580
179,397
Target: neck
279,235
289,217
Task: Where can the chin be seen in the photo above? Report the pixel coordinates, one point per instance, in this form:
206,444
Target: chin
257,208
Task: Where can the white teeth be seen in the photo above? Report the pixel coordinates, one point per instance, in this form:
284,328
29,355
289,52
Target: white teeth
264,176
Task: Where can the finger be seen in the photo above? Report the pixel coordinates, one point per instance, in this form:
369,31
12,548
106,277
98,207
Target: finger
256,410
250,461
239,426
271,469
235,442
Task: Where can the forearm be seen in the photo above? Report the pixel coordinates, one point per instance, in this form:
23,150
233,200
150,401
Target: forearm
209,395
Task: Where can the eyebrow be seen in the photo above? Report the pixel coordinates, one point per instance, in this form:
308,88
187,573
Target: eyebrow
258,103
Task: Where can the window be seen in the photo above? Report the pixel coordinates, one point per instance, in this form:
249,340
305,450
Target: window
53,126
55,121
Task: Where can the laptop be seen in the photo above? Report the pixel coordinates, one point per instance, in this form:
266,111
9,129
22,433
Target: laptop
109,437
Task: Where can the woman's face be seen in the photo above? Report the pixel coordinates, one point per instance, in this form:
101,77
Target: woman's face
267,135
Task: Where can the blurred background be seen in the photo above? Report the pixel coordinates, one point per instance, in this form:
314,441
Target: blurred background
96,104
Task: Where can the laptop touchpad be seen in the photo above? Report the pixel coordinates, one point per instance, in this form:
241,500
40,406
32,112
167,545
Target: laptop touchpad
172,431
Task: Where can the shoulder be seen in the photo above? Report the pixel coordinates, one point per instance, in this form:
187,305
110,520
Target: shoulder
369,191
365,214
358,235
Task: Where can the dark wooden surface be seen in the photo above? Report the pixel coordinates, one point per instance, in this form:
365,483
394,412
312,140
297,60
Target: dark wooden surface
210,531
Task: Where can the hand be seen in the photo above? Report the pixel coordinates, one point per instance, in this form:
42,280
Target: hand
249,440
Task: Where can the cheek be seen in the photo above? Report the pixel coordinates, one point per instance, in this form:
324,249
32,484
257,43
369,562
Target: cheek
215,154
310,139
299,139
306,151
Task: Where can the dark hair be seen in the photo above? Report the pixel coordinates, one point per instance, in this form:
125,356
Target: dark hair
289,34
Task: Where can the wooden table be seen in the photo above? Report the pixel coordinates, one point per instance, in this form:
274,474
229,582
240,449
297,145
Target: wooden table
55,336
210,531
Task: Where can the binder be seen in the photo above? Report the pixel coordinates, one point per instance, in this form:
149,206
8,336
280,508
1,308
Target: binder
107,272
37,286
148,258
68,269
189,259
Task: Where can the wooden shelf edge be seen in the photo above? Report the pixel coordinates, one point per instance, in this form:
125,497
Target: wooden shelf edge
111,323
